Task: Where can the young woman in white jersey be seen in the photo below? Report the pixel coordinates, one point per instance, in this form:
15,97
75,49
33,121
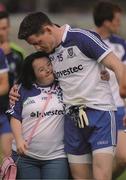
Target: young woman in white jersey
43,157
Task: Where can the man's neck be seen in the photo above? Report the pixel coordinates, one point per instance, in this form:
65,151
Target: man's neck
59,33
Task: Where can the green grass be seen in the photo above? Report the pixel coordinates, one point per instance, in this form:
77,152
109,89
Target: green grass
122,177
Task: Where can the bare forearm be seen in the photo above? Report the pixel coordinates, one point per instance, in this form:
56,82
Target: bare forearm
21,144
4,89
16,129
122,88
113,63
4,83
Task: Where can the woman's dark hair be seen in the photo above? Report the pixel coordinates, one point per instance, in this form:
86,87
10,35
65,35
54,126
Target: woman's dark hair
27,76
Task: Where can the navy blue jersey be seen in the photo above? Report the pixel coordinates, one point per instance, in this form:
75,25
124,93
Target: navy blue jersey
14,60
3,62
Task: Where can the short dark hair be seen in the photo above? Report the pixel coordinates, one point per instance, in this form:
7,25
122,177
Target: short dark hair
27,76
4,14
32,24
105,10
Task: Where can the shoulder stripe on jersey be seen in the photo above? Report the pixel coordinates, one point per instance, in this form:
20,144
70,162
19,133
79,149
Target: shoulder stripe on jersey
90,35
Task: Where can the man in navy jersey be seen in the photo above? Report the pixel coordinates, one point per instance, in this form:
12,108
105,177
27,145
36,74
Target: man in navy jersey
4,88
78,56
14,60
107,25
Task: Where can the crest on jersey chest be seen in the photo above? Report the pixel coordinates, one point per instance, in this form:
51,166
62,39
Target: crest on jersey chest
71,53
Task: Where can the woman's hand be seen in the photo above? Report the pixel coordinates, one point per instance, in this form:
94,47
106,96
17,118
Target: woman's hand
22,146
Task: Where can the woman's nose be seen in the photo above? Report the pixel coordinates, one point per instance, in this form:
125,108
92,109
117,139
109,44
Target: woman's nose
47,70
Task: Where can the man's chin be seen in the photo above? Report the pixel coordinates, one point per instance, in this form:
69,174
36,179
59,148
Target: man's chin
48,51
51,51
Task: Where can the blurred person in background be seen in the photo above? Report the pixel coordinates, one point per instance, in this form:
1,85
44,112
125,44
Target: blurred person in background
2,7
4,88
78,57
107,18
14,58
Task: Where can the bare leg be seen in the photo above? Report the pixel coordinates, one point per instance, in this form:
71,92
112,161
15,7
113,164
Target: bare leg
81,171
102,166
120,158
81,166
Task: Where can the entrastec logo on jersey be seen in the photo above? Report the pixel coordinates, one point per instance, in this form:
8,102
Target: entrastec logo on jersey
69,71
48,113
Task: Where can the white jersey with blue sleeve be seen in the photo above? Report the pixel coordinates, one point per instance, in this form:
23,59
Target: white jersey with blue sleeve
77,65
47,142
3,62
118,45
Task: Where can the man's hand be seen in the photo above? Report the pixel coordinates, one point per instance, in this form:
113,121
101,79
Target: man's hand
105,75
14,95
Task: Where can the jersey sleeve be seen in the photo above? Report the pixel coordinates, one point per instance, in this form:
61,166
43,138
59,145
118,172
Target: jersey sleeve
16,110
18,59
3,62
91,45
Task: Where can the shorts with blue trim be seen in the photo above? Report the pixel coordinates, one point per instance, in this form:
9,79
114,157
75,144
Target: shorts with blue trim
4,124
100,133
119,114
